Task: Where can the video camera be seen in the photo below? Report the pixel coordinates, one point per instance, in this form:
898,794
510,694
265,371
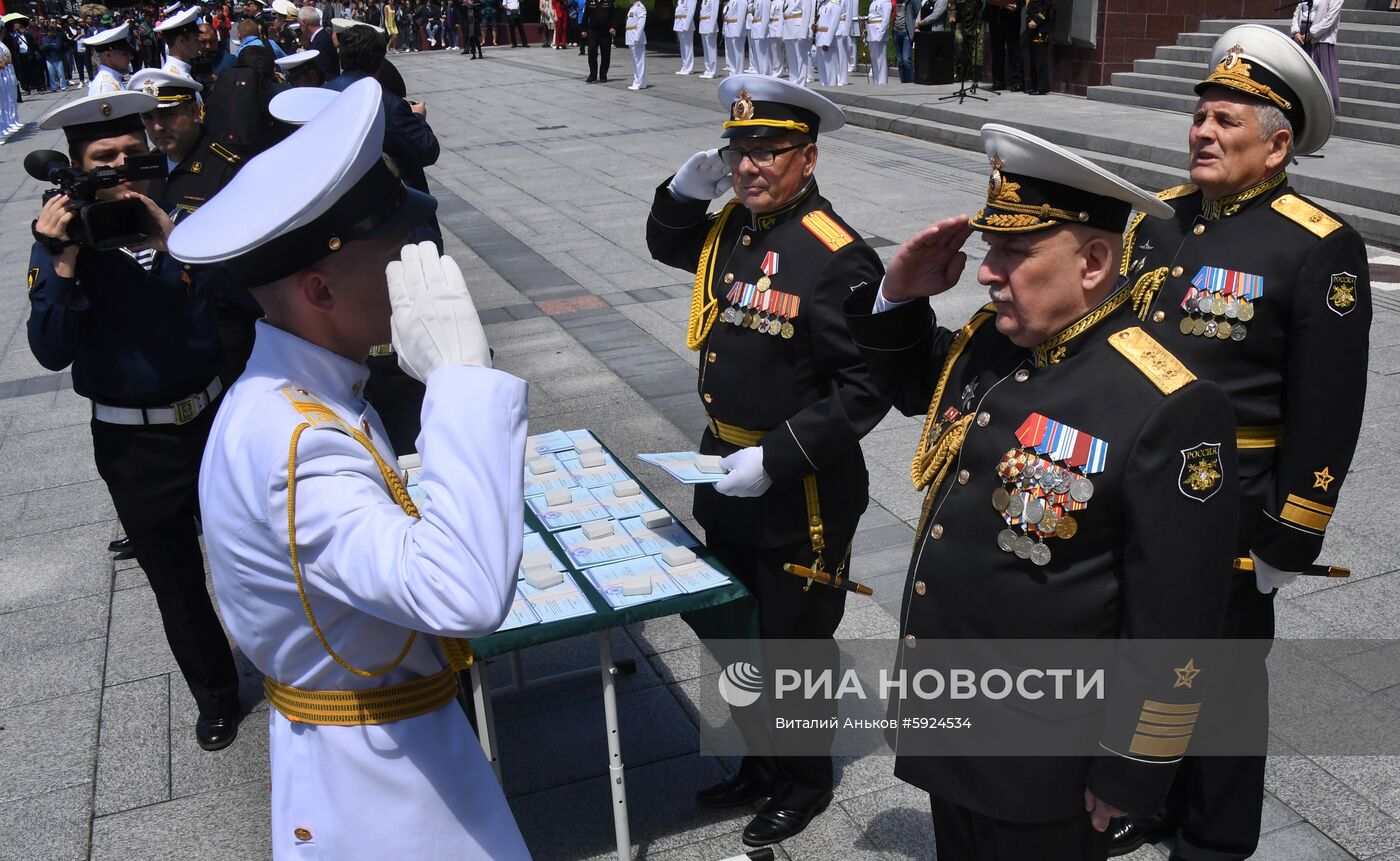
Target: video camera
99,224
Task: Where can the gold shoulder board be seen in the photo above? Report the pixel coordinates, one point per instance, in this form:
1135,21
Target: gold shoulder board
1314,220
314,410
831,234
1156,362
1176,191
224,153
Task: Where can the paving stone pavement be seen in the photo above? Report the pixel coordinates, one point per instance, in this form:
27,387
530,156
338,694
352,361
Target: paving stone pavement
544,185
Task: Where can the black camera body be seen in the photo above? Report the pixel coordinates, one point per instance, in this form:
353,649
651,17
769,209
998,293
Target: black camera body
99,224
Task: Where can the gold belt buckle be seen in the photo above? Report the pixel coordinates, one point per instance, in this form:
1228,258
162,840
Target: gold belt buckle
186,410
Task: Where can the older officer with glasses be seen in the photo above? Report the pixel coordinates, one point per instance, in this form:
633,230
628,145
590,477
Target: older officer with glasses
785,388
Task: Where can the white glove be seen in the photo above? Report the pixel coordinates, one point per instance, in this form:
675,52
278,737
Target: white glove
702,177
1267,578
435,322
746,476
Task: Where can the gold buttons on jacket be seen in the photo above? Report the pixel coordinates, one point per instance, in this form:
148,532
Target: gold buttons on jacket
301,834
919,587
746,239
706,398
711,356
936,531
1198,229
984,419
910,640
729,278
1159,316
963,476
1176,271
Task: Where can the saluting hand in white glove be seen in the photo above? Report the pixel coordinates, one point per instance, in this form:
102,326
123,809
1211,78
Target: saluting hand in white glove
746,476
702,177
435,321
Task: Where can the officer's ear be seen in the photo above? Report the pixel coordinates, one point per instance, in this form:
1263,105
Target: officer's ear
809,158
1099,254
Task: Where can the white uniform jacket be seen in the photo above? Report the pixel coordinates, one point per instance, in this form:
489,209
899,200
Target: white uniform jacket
877,21
828,17
105,80
758,20
413,788
636,25
685,16
709,17
797,18
736,18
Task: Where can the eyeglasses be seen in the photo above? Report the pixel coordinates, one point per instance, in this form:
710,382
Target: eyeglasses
732,156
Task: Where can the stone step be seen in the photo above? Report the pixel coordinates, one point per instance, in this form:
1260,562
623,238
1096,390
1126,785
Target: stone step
1387,33
1358,74
1133,162
1361,16
1352,91
1201,43
1367,127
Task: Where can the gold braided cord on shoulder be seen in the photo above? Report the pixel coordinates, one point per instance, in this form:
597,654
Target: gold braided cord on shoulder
933,458
1130,243
704,307
457,651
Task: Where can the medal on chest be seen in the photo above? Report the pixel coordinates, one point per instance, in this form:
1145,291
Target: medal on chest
1044,481
766,311
1220,302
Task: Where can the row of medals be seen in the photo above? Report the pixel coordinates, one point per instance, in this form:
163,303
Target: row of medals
1227,319
1023,471
759,321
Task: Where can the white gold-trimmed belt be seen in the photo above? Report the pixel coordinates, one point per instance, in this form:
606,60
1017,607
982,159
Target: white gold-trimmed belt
181,412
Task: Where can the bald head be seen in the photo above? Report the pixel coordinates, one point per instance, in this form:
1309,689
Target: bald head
247,27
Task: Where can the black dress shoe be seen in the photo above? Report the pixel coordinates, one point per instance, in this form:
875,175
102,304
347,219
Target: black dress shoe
216,733
775,824
603,80
119,545
590,80
734,792
1129,833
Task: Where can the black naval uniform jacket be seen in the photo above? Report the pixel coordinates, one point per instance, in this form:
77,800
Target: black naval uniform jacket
190,184
1298,378
1042,12
1150,558
810,395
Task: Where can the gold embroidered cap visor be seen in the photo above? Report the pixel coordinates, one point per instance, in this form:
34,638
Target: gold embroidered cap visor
102,116
1036,185
1266,64
760,107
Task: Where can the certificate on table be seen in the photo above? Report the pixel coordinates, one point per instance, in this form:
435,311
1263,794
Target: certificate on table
681,466
585,552
620,507
555,479
581,508
653,541
695,577
607,579
533,543
547,443
594,476
561,601
520,615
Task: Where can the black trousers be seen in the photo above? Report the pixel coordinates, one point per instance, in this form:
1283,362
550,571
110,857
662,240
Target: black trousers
398,398
1217,800
599,39
152,473
514,26
965,835
1038,73
1004,32
786,612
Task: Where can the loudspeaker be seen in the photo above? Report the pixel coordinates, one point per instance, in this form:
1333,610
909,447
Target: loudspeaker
933,58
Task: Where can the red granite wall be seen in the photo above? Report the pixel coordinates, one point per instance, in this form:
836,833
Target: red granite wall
1126,33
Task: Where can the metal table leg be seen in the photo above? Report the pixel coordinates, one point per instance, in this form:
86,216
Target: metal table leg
615,775
485,719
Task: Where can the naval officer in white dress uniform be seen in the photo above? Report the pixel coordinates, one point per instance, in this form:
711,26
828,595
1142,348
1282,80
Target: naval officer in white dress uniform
114,54
340,590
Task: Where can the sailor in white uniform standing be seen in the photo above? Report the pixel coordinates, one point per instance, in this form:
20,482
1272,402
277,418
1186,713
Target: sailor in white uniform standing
828,43
777,54
114,55
877,34
181,34
636,39
332,581
708,27
758,36
685,34
798,19
736,24
844,43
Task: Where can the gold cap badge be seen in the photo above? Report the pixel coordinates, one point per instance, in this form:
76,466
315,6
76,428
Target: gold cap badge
743,107
106,109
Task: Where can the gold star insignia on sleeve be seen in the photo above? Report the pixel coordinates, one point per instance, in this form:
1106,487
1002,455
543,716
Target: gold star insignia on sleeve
1323,480
1187,674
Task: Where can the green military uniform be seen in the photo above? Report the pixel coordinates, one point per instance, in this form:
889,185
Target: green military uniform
1268,295
1061,480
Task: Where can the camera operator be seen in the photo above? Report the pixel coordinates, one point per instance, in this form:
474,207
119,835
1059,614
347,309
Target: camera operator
198,166
139,331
